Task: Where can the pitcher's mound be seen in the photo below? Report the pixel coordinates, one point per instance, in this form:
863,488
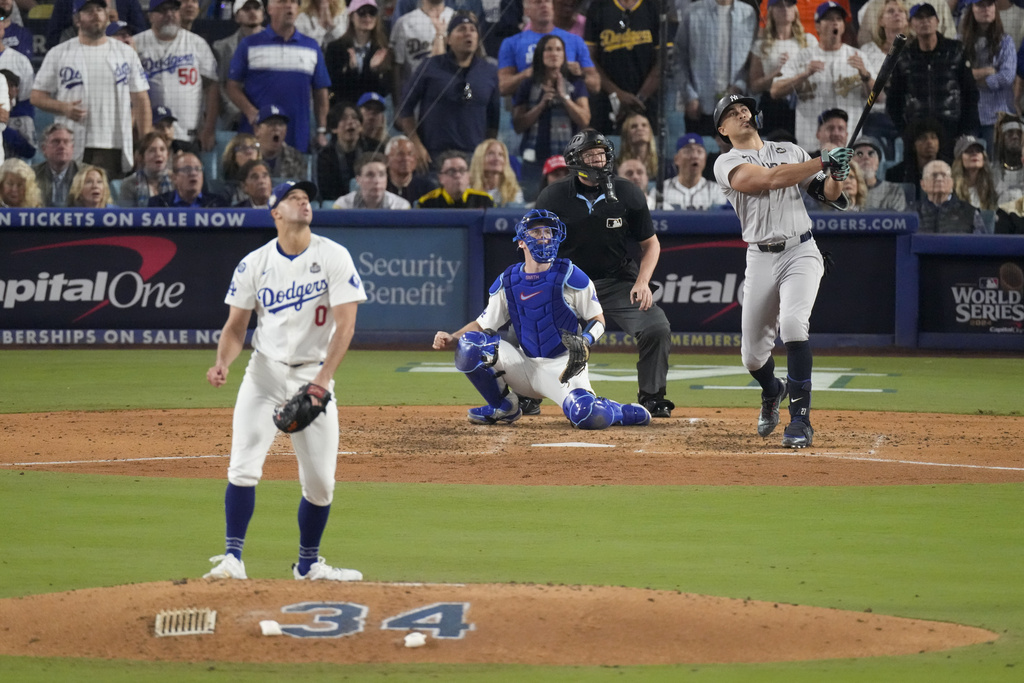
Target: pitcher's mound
477,623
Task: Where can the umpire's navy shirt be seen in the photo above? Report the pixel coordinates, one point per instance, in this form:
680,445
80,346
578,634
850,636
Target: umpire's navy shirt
447,119
598,239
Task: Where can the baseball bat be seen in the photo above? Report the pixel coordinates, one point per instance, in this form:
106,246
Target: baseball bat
883,77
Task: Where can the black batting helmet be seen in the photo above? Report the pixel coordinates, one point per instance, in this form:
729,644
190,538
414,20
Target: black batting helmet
730,100
588,138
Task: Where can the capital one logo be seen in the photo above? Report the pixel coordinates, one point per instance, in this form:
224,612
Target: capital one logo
725,293
125,289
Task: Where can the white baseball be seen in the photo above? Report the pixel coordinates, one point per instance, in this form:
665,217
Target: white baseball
415,639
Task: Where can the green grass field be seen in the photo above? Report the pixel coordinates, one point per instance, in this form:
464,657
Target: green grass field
949,553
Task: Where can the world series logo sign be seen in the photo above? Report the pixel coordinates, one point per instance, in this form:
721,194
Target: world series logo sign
993,303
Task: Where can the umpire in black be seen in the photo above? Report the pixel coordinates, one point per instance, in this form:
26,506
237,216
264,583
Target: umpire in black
604,215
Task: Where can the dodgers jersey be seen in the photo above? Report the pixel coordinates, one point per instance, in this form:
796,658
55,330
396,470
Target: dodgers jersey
176,69
771,215
412,36
582,301
293,297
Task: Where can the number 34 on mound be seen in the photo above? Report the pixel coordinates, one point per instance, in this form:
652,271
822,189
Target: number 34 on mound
337,619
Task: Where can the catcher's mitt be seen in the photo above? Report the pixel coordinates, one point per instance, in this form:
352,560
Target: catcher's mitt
300,410
579,353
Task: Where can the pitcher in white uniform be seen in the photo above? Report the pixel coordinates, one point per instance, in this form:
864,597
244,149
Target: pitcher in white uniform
305,291
763,180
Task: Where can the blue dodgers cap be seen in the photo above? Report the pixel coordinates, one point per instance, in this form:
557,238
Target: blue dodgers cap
828,6
79,4
268,111
923,9
369,97
689,139
282,191
116,27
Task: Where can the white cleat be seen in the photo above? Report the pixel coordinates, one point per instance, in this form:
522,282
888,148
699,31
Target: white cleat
321,571
230,567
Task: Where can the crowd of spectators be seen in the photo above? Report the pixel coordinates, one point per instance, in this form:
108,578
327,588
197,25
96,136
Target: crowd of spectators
450,103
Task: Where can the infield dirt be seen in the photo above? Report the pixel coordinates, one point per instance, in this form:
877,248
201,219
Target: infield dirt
513,623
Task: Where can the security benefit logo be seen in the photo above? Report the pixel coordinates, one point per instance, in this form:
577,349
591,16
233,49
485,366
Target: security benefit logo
995,302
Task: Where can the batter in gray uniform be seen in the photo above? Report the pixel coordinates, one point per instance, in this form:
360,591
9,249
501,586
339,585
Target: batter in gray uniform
763,180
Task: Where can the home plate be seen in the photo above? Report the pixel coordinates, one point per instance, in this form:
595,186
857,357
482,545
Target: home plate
573,444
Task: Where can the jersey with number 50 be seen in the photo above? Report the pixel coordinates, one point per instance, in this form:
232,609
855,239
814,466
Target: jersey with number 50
176,69
293,297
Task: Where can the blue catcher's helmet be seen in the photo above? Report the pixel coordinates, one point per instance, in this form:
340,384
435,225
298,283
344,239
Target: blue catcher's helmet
543,250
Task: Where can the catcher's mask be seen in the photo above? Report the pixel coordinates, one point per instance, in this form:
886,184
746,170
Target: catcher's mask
757,118
588,139
543,248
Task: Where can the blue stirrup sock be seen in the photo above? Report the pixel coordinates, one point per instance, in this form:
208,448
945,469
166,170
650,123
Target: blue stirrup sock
799,362
765,376
239,503
312,522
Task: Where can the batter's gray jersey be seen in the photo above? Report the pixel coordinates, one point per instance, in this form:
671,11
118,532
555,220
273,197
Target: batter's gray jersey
771,215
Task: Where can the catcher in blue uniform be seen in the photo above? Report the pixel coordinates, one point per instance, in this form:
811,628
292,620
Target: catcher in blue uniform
544,298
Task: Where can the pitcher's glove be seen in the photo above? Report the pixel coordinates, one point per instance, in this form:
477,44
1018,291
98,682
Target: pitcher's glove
300,410
579,354
837,162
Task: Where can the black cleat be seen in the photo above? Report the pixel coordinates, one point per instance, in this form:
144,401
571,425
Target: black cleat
659,407
530,406
798,435
768,420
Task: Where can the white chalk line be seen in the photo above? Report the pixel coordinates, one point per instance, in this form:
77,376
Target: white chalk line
862,458
856,457
161,457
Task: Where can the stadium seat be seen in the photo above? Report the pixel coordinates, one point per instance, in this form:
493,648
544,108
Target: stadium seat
43,119
516,163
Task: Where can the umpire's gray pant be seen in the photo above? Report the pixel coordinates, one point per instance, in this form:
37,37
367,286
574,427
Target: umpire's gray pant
650,328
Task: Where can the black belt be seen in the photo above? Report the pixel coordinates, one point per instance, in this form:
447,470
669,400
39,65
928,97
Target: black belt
776,247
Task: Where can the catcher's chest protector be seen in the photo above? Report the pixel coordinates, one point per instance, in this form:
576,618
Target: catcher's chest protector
537,308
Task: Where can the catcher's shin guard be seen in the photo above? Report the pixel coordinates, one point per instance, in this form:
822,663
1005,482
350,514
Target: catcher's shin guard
476,355
586,411
628,414
633,414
